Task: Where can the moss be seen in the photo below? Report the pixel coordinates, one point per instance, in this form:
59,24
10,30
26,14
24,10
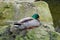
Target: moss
35,34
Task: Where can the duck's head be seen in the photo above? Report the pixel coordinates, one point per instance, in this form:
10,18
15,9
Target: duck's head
35,16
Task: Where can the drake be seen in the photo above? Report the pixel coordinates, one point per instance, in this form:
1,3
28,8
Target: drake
22,26
28,22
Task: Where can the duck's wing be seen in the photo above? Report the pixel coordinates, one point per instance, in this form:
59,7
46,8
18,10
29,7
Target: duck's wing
25,20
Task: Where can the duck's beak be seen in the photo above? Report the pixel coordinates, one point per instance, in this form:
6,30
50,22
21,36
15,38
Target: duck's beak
38,19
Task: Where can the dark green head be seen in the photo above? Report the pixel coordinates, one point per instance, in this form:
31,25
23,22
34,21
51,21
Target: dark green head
35,16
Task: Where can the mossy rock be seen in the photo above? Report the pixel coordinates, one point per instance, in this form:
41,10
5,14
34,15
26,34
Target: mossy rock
39,33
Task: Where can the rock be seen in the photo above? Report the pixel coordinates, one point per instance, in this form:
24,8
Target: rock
44,32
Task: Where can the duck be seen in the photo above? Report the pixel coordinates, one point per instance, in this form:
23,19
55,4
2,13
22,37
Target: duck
23,25
28,22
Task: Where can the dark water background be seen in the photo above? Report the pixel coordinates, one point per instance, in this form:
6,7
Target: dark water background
55,12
